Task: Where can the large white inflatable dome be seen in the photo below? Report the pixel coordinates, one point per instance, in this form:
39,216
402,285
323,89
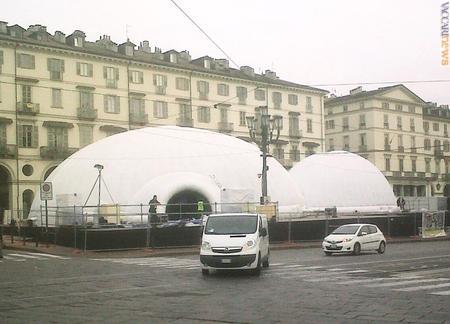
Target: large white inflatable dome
177,164
343,180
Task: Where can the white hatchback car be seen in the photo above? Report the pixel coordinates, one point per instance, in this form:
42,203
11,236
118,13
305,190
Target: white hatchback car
354,238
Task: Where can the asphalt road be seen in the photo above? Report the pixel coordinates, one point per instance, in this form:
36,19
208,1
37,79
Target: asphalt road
409,283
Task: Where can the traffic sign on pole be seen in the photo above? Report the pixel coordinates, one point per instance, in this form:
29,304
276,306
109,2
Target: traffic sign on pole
46,191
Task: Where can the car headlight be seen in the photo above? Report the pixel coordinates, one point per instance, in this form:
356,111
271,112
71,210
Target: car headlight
348,239
206,246
249,244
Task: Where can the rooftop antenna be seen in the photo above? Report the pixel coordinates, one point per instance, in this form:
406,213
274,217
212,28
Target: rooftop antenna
127,31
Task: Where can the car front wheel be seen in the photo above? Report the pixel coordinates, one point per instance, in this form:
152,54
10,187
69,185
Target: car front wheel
382,247
356,248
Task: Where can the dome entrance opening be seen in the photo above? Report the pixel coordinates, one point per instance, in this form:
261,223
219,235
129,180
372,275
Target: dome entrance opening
185,205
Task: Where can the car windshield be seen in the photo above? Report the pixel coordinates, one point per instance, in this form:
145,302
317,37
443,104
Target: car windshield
238,224
347,229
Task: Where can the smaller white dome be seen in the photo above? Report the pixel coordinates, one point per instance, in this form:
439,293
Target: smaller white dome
343,180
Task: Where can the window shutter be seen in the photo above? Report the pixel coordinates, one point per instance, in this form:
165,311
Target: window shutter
35,136
78,68
61,65
199,85
1,57
206,87
117,104
51,137
155,109
20,136
105,75
130,76
90,70
141,77
105,102
116,72
2,134
165,81
50,66
154,79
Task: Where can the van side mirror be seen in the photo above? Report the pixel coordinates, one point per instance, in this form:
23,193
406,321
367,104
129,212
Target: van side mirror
263,232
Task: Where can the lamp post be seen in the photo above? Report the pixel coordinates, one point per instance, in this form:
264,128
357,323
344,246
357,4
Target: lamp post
264,130
99,167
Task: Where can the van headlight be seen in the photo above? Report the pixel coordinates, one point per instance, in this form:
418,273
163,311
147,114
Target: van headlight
206,246
249,244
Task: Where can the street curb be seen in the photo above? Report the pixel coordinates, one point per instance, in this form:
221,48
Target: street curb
160,252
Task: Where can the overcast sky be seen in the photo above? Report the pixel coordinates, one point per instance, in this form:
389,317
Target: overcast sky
317,43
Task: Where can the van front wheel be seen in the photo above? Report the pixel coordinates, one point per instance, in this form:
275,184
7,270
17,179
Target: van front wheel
265,263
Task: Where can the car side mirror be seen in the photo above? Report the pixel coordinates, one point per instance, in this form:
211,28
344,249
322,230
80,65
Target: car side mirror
263,232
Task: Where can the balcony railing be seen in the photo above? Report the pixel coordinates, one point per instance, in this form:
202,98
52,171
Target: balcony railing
295,133
7,151
225,127
438,153
421,174
87,113
445,177
409,174
363,148
401,149
397,173
387,147
413,150
445,134
27,108
185,122
286,163
139,119
56,153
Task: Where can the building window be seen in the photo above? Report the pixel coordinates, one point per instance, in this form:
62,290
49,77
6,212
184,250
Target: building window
28,136
26,93
203,114
57,137
398,107
280,121
137,77
385,105
260,95
413,165
112,104
223,115
111,75
426,126
361,105
137,109
362,121
84,69
185,112
400,164
278,152
331,144
428,165
242,120
293,99
345,108
330,111
173,58
241,93
309,127
436,127
309,106
295,153
386,121
86,100
412,109
362,140
399,122
329,124
387,164
160,109
56,98
346,141
160,83
56,68
182,83
2,135
25,61
276,99
203,90
294,126
401,148
223,89
437,166
427,144
446,146
412,125
86,135
413,144
345,123
1,61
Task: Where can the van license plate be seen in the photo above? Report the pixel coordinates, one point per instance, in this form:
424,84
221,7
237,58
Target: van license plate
226,260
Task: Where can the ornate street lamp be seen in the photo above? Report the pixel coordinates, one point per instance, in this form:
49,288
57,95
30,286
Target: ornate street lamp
264,130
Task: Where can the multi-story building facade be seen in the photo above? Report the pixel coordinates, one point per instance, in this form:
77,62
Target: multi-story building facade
59,94
405,137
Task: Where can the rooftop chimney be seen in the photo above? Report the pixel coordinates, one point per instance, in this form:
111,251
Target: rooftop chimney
356,90
60,37
270,74
248,70
3,29
145,46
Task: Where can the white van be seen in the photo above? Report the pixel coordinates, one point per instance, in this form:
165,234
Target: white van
235,241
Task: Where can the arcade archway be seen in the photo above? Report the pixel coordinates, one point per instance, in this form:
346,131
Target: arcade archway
5,188
184,205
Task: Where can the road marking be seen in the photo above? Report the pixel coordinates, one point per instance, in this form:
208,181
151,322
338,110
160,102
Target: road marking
25,256
368,280
403,283
424,287
425,272
441,293
12,259
49,255
393,261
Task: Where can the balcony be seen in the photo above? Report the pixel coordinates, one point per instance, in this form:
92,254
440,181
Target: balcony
413,150
111,83
409,174
445,177
7,151
225,127
345,127
27,108
362,148
87,113
295,133
401,149
421,175
362,125
139,119
397,173
445,134
387,147
185,122
438,153
56,153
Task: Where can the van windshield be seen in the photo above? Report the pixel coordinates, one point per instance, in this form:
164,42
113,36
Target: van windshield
238,224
